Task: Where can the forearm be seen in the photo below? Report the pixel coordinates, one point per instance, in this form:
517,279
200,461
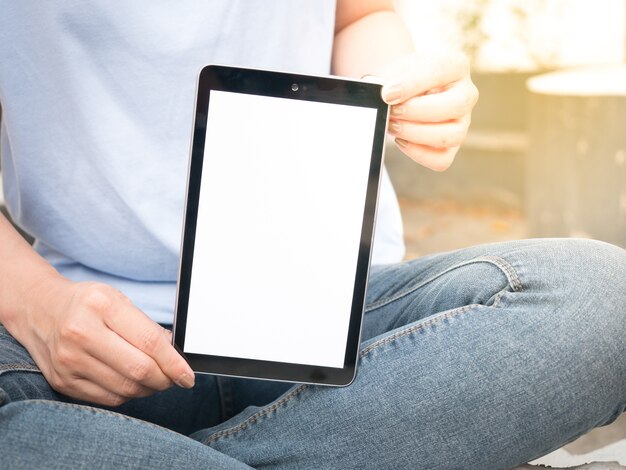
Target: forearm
22,273
364,44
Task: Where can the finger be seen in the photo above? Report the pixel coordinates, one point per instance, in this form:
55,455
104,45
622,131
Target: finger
416,77
454,103
135,327
434,158
86,390
93,393
131,365
89,359
108,379
439,135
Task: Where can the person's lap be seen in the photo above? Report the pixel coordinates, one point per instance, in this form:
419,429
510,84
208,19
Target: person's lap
482,357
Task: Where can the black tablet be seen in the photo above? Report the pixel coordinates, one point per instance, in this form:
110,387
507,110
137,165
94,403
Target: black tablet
281,201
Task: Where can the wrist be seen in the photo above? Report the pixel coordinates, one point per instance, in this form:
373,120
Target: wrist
41,293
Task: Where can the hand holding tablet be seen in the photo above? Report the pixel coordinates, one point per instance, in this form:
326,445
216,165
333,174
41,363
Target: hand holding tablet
280,210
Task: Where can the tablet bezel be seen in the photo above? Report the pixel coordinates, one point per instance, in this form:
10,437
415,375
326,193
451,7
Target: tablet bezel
280,85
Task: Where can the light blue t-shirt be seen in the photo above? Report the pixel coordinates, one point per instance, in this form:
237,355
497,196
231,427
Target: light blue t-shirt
97,101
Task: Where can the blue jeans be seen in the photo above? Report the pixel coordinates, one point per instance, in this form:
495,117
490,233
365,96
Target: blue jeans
476,359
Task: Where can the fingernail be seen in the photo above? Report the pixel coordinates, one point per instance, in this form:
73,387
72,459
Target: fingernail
393,94
398,110
186,381
394,128
402,143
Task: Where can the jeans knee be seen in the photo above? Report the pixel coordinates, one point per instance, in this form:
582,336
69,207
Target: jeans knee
589,284
21,385
598,262
589,271
600,271
578,290
20,378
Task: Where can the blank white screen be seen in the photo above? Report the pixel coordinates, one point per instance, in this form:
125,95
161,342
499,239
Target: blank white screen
278,228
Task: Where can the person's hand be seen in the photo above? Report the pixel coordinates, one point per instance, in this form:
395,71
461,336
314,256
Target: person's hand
431,101
92,344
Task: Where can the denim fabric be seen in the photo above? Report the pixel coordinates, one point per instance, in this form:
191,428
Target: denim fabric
482,358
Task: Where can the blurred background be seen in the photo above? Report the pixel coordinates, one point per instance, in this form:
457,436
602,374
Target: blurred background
546,152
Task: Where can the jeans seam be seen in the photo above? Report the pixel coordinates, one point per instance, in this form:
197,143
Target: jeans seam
256,417
432,321
509,270
300,389
226,397
93,409
18,368
497,261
